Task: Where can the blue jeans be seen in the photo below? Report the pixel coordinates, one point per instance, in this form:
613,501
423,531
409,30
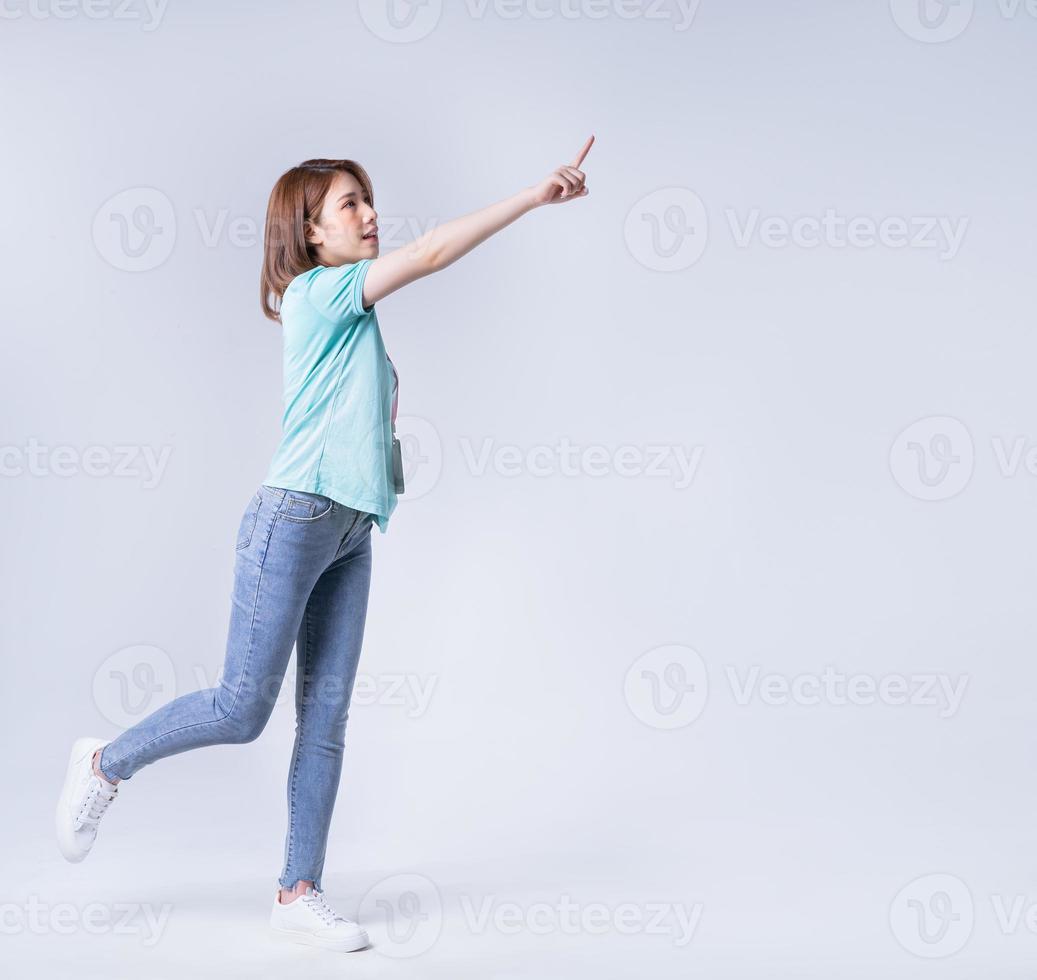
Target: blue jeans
301,576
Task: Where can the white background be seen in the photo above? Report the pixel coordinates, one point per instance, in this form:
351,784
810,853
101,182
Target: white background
860,504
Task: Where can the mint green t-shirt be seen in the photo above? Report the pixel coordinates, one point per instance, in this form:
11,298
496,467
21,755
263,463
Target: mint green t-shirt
336,435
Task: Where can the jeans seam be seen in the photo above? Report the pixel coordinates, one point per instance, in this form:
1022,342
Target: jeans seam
348,556
298,748
350,529
257,499
244,668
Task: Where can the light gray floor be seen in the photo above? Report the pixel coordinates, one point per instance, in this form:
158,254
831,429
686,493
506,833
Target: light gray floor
140,906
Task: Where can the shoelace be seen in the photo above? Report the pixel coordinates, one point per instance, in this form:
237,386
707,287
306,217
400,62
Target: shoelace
96,802
320,905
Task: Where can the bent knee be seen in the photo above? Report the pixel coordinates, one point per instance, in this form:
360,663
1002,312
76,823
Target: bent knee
244,723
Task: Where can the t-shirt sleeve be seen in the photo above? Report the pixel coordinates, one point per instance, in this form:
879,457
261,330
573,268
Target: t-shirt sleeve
337,291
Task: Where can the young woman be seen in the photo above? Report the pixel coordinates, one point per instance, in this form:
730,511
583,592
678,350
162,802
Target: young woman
303,561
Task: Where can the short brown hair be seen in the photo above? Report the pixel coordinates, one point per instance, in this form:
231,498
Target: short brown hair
296,199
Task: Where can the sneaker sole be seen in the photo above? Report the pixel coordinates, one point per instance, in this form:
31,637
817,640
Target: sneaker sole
306,939
67,843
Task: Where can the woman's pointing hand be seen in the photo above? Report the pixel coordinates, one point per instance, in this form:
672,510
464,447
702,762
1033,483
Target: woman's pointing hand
564,184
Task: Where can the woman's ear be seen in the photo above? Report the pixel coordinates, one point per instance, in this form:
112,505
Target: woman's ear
314,236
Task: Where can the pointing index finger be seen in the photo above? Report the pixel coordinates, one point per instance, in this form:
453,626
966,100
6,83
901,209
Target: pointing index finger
583,152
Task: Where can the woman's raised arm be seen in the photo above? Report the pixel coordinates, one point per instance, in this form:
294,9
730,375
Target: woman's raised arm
445,244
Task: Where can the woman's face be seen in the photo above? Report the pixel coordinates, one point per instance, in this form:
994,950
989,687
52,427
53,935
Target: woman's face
346,217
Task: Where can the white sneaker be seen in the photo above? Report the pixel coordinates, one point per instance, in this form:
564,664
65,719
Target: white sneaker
84,799
309,919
